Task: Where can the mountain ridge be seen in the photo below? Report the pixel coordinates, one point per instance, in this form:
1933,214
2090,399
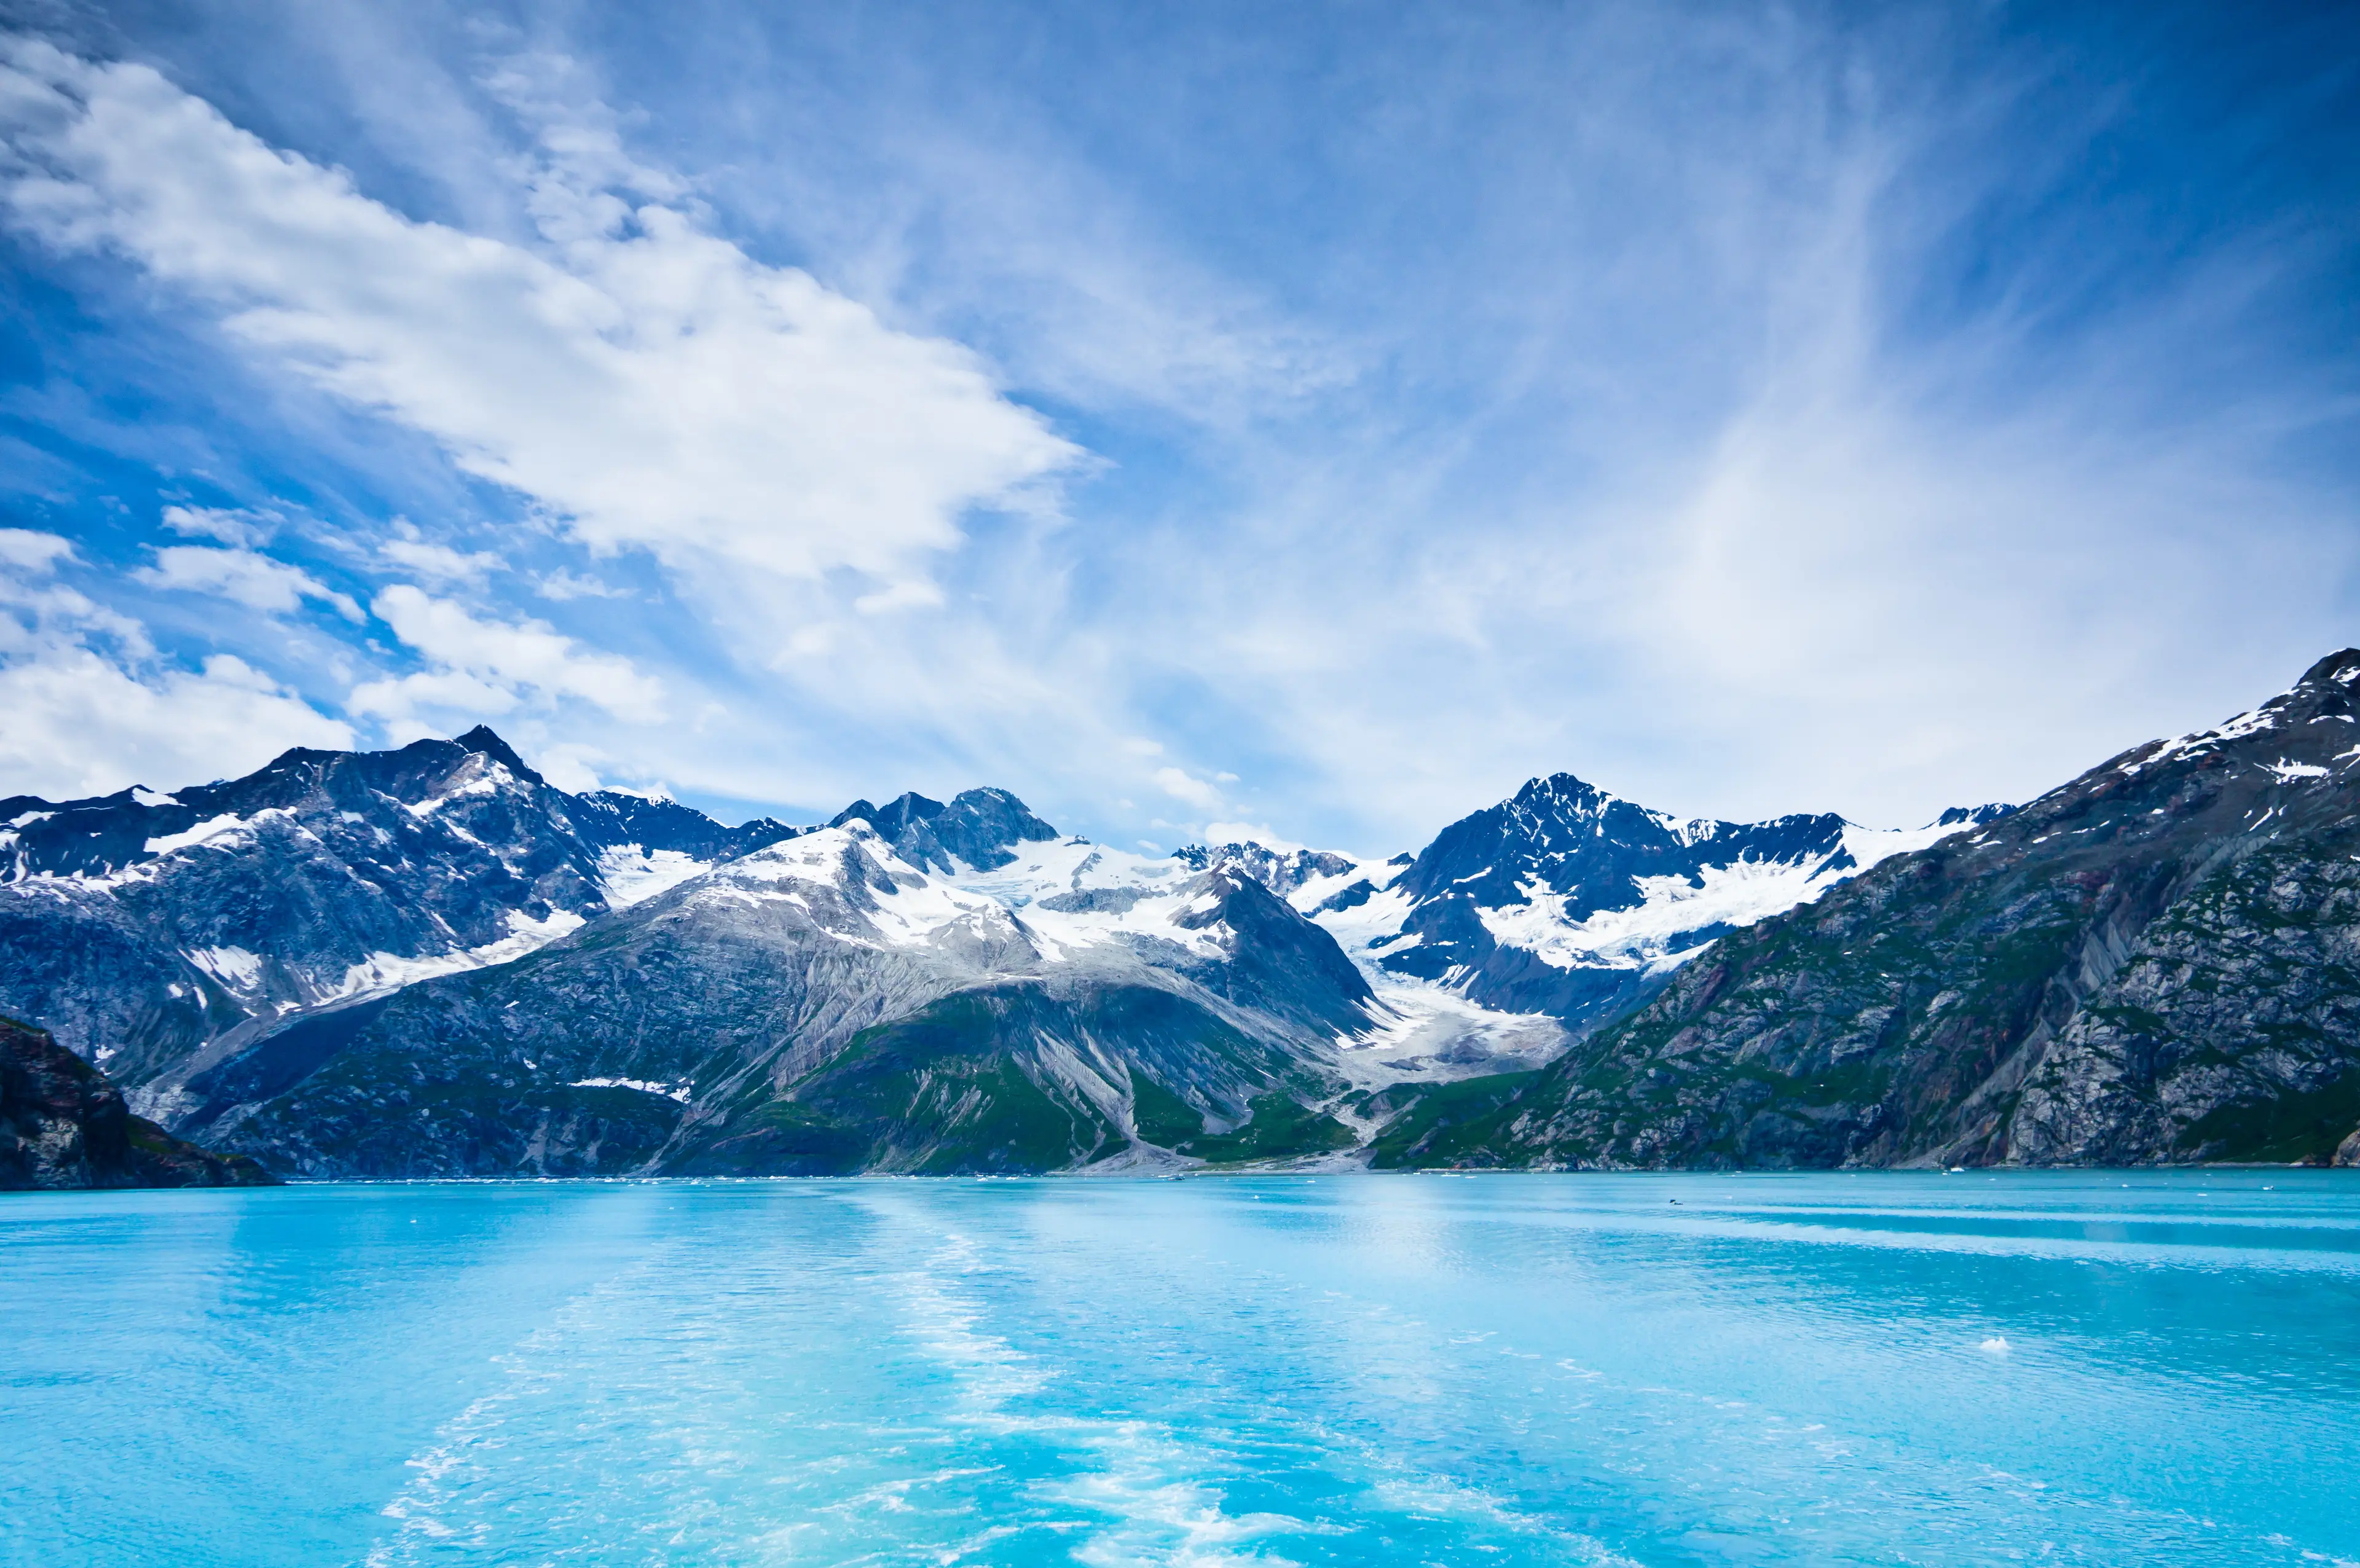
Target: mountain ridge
429,960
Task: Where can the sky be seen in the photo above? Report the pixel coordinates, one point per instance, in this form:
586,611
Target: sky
1310,420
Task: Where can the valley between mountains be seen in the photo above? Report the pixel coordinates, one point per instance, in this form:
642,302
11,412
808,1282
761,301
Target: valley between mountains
432,962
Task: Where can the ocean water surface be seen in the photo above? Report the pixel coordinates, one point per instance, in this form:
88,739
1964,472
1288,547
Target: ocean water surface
2101,1368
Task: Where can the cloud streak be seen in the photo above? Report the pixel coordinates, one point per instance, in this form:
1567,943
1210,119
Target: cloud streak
243,577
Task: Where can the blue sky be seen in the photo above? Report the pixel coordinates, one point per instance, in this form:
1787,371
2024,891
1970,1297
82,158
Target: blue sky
1319,418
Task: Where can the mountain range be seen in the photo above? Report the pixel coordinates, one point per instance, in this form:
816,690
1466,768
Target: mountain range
432,962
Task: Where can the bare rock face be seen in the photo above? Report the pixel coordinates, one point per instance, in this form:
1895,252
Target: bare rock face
2347,1153
2158,963
63,1125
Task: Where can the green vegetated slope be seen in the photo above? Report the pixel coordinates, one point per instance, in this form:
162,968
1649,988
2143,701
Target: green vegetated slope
2158,963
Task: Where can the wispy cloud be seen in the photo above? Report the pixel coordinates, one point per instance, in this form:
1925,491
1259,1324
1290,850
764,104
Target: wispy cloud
243,577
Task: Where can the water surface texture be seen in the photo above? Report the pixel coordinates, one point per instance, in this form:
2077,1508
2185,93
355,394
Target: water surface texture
2048,1368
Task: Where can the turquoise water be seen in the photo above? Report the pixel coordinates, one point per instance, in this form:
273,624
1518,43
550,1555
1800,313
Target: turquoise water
1405,1370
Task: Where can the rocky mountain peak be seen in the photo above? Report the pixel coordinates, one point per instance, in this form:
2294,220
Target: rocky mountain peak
979,828
2153,963
1283,872
2341,670
481,740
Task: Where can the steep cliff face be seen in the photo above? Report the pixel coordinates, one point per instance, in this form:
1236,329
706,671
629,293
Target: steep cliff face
2158,963
63,1125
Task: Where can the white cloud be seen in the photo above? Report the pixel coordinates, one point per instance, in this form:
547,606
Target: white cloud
90,709
246,529
1182,786
562,584
646,381
484,668
81,723
243,577
440,561
34,553
573,766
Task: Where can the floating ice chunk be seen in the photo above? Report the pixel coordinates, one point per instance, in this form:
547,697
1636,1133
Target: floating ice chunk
1995,1345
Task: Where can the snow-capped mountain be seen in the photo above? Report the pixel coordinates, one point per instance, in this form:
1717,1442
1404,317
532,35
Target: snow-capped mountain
429,961
822,1005
284,965
1567,901
143,927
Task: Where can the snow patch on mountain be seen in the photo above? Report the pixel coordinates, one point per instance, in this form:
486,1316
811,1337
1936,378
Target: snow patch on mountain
629,873
679,1091
383,971
232,966
1658,930
209,831
1075,895
1426,1031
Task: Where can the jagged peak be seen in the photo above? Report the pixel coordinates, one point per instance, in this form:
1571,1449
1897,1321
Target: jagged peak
485,742
898,813
1562,786
2342,668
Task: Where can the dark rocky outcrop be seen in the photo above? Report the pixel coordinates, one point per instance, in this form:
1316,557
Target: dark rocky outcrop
63,1124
